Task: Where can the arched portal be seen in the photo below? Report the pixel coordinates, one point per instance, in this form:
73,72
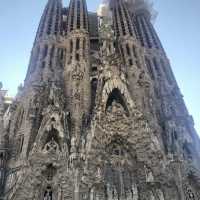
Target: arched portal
116,102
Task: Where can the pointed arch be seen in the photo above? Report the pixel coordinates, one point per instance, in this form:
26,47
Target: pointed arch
51,140
116,86
51,132
116,97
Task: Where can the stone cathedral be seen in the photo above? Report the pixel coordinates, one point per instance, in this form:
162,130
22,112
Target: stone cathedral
100,115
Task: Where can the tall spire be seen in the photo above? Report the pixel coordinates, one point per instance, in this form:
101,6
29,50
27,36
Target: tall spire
122,19
77,67
77,16
50,23
44,52
143,13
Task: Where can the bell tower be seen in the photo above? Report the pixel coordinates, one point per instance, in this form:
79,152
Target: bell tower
77,68
43,65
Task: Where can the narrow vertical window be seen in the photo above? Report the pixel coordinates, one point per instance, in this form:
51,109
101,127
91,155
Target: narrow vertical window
157,67
128,50
77,44
77,57
167,74
45,51
78,15
71,46
149,68
21,144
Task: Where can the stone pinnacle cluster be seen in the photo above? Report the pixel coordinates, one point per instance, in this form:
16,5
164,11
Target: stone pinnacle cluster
100,115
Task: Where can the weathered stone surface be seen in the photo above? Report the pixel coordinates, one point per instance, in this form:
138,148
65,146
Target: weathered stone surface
100,116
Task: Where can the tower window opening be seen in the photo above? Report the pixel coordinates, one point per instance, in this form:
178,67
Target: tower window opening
21,144
94,84
1,156
153,34
187,150
84,15
42,25
57,20
157,67
116,24
94,69
130,61
77,57
127,20
61,54
166,72
52,51
145,31
122,21
128,50
72,15
139,30
84,44
71,46
77,44
78,15
45,51
149,68
84,47
35,60
43,64
134,52
51,19
122,53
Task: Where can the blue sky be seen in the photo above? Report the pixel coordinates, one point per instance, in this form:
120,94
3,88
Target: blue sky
177,24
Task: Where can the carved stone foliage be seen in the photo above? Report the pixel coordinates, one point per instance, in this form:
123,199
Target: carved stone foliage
120,171
189,192
143,80
77,74
116,118
13,178
119,152
90,121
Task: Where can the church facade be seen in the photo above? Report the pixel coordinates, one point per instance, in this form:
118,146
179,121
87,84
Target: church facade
100,115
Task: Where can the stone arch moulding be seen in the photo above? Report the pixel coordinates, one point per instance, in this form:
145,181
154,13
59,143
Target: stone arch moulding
52,123
117,84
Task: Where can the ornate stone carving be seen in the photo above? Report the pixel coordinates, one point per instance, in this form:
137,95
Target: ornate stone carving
132,139
77,74
51,147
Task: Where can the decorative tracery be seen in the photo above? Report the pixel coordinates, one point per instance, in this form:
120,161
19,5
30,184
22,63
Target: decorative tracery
189,193
52,144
